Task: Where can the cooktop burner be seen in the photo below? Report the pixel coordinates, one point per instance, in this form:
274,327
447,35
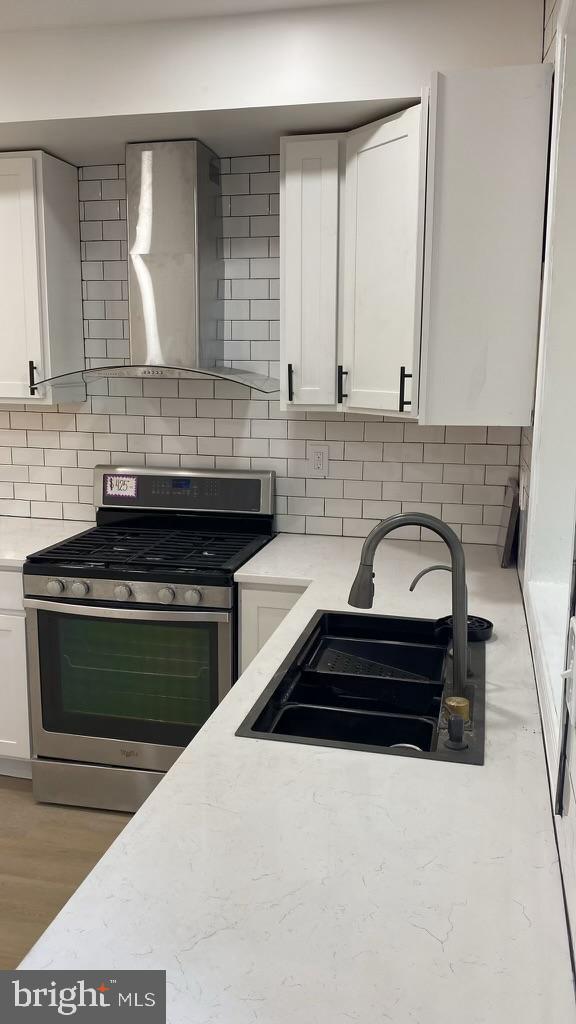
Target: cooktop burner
112,547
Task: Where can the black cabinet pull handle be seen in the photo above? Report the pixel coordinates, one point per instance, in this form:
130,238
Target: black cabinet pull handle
31,377
290,382
403,402
341,393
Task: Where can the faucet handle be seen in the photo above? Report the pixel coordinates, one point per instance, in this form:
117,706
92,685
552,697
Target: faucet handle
423,572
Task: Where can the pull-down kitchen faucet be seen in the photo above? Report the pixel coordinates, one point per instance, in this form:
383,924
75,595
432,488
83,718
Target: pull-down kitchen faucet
362,590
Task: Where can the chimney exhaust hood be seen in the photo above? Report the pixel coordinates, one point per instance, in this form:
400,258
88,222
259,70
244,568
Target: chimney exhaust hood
175,228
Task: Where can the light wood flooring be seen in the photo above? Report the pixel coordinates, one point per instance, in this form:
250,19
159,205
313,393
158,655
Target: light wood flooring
45,852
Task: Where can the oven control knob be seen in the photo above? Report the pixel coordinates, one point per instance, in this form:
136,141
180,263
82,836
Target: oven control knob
193,596
55,587
122,592
79,588
166,595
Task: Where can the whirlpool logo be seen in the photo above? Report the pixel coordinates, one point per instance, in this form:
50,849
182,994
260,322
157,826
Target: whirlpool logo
122,996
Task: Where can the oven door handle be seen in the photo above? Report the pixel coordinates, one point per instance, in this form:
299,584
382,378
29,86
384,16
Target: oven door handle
141,614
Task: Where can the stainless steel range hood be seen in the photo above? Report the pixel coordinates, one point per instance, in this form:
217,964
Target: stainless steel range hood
175,264
175,230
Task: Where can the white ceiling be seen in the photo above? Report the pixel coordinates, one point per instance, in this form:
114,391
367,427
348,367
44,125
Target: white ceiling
34,14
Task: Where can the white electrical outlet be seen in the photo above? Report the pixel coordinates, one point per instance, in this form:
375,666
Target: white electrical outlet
318,460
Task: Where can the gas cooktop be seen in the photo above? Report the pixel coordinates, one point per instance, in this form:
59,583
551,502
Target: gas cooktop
119,548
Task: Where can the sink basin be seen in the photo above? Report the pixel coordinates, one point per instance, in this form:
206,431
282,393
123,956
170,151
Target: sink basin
354,726
365,693
370,682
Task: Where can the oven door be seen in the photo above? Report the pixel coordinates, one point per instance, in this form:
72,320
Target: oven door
123,686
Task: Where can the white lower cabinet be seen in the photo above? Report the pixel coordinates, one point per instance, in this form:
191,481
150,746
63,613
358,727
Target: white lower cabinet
14,728
411,255
262,609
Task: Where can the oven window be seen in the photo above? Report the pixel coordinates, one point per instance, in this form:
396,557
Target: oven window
154,682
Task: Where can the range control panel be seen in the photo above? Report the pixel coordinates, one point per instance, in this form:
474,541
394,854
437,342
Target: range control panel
180,489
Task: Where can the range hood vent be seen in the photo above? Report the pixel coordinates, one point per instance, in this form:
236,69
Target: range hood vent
174,268
175,263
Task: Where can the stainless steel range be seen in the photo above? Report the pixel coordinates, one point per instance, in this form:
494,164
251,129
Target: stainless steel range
131,628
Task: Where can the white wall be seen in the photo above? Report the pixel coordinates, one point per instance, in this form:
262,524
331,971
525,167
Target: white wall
364,52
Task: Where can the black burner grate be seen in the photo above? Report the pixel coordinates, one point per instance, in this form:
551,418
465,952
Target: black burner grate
107,546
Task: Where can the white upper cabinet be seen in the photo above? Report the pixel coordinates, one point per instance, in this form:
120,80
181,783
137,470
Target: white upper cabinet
21,313
486,187
309,238
382,266
432,232
40,287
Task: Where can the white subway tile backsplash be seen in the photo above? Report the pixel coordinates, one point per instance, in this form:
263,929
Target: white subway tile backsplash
161,425
500,474
483,495
99,171
235,184
324,525
89,190
248,164
376,466
485,453
466,435
442,492
458,513
144,443
382,470
380,509
401,491
444,453
246,206
422,472
12,473
46,509
111,442
480,534
28,456
215,446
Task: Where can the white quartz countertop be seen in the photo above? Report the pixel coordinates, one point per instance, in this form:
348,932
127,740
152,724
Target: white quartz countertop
21,537
291,884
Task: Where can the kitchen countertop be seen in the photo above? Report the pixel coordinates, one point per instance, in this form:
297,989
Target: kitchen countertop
20,537
284,883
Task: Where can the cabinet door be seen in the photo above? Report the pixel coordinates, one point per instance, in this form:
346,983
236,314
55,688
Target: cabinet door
309,268
261,612
20,309
14,729
486,188
382,270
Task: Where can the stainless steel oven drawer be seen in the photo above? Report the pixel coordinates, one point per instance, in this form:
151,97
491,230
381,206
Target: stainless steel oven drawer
89,785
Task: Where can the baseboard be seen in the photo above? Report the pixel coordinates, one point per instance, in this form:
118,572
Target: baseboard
16,767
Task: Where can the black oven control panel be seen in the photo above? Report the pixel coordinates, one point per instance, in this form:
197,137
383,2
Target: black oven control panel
119,487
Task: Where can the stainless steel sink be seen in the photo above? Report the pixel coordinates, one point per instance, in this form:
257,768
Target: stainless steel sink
370,682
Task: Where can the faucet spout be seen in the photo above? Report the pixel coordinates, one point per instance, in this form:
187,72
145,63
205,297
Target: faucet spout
362,590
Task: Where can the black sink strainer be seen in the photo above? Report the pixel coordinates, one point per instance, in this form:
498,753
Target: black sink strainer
334,660
478,628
